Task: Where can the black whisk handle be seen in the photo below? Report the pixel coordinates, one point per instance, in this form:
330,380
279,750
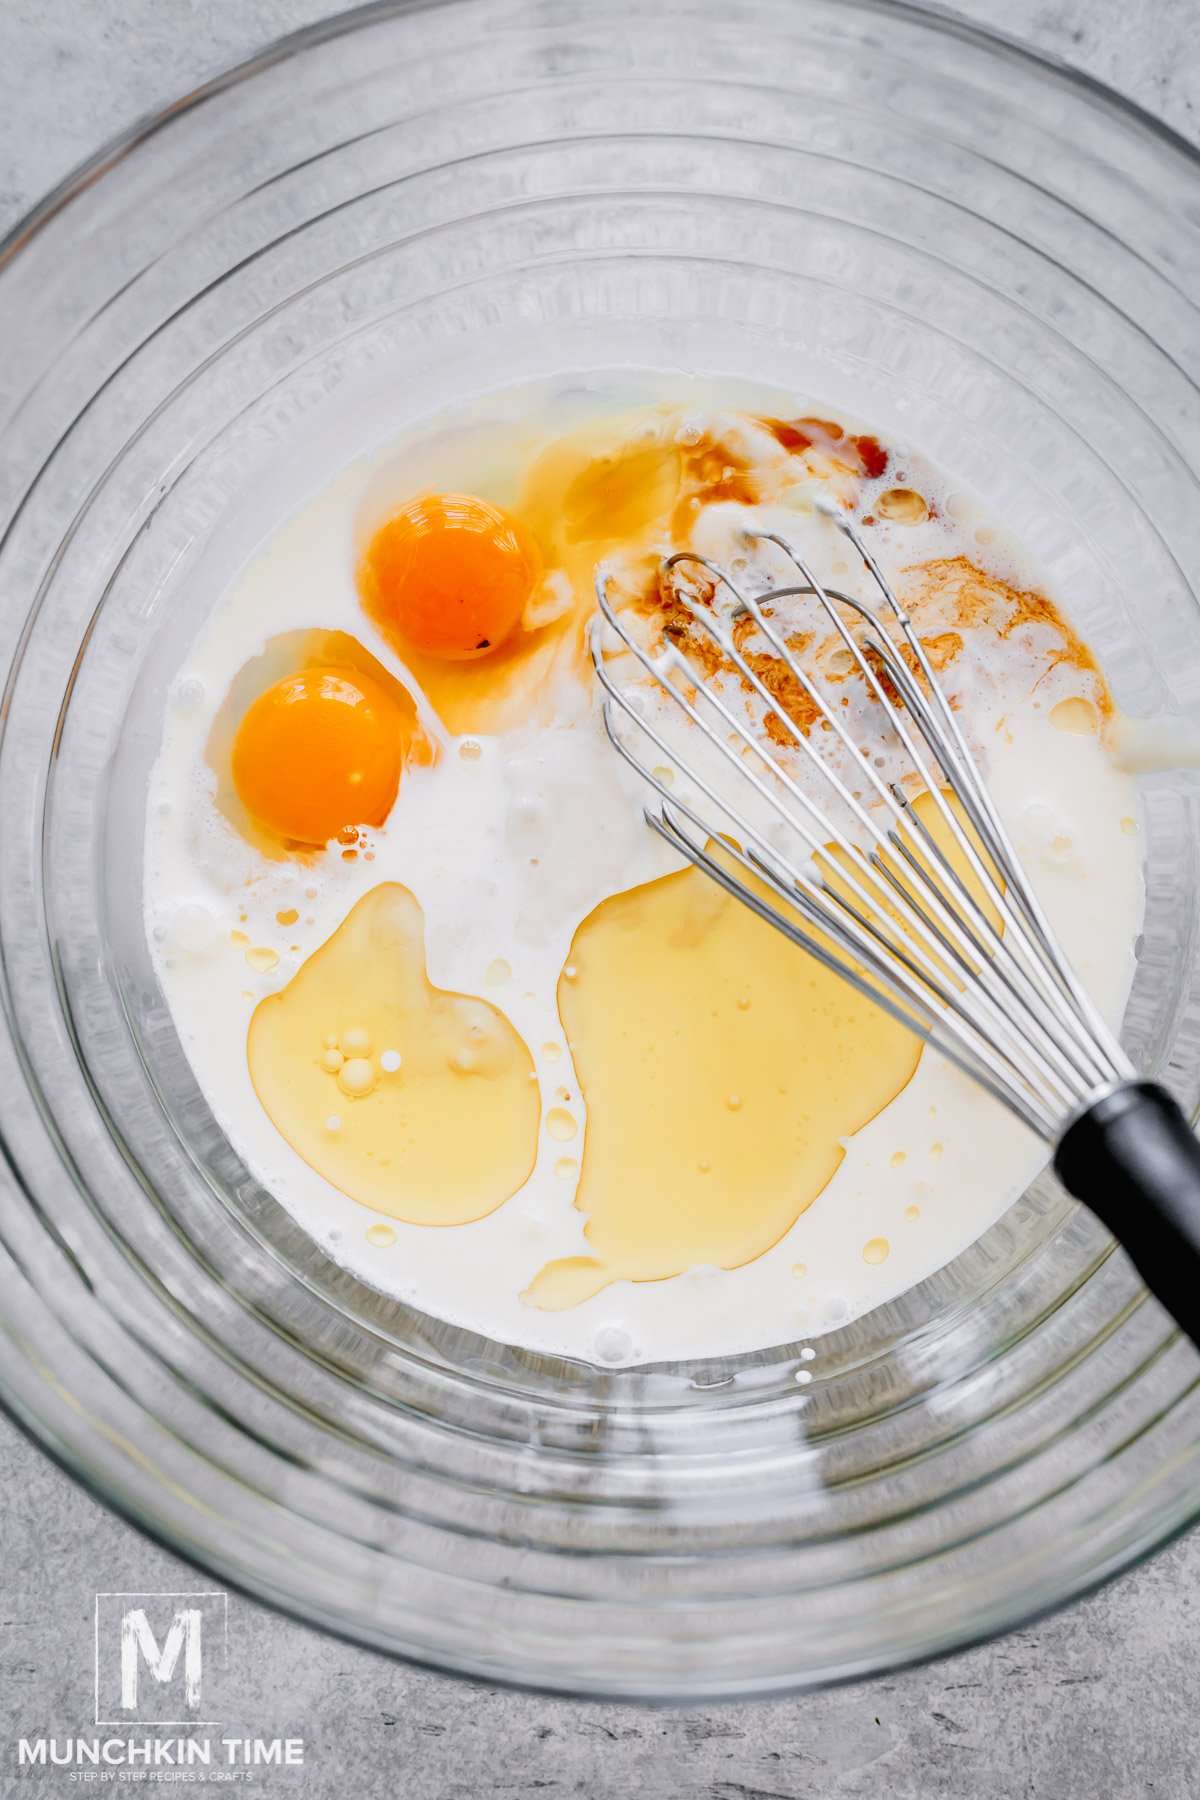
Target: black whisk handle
1134,1160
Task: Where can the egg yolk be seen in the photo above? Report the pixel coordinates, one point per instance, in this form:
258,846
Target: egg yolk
319,753
451,574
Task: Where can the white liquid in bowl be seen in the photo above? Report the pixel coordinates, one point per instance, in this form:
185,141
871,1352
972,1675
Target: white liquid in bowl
517,834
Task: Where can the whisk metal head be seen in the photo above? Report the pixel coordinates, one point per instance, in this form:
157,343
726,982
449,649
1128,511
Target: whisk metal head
940,926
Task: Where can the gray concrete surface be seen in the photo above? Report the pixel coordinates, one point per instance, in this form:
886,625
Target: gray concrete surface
1101,1702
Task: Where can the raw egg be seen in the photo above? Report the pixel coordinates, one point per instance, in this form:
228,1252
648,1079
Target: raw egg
319,753
451,575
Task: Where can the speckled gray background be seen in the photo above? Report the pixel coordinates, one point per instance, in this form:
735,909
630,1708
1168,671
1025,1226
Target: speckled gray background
1103,1701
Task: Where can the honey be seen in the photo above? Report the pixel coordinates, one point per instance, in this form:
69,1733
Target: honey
435,1112
712,1125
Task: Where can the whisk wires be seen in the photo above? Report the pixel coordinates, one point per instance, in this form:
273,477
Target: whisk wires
921,904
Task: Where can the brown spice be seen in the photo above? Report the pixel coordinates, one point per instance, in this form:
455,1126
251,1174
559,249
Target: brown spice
783,687
873,455
942,648
711,471
788,436
660,601
964,595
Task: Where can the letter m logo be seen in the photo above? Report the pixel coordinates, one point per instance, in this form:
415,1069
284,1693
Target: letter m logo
161,1658
138,1646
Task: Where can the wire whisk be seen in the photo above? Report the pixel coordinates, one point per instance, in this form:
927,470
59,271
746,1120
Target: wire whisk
926,909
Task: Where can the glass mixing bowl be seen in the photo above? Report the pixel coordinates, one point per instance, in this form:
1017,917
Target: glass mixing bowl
871,203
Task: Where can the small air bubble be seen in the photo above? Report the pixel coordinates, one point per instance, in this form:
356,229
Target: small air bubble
1075,716
194,930
560,1124
903,506
357,1077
